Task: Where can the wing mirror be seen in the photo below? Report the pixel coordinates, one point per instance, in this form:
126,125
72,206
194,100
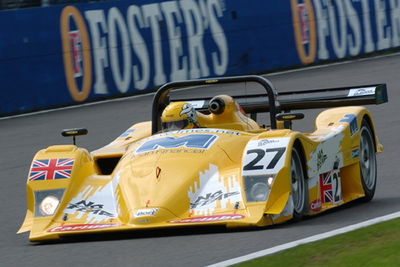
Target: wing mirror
287,118
74,132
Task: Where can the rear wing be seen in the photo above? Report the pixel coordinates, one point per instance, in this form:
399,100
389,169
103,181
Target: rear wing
271,101
307,99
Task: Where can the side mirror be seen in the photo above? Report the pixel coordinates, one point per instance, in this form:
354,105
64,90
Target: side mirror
74,132
288,117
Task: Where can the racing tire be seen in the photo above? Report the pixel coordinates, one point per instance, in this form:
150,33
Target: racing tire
299,186
368,166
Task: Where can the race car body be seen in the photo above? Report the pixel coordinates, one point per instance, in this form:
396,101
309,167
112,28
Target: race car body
232,171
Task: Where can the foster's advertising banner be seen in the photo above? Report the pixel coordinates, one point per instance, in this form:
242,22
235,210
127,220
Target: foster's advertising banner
68,54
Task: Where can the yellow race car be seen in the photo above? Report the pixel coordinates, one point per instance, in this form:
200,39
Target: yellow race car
210,162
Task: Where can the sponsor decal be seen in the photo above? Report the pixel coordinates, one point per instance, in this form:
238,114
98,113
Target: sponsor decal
197,103
76,53
96,203
195,130
213,218
337,29
125,46
316,205
355,153
201,141
264,156
218,131
81,227
267,141
145,212
89,207
330,187
126,133
362,91
331,147
213,192
304,30
321,158
209,198
169,151
50,169
351,119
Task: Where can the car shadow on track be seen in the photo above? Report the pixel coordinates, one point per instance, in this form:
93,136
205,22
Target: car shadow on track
144,233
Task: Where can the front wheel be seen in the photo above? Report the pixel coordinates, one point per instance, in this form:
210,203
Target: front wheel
299,185
367,161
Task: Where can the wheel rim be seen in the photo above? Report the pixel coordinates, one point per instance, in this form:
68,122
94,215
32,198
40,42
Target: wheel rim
367,159
297,177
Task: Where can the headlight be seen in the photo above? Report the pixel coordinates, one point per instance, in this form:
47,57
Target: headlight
47,201
49,205
259,192
257,187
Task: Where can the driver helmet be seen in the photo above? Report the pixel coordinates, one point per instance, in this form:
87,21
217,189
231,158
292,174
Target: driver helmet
179,115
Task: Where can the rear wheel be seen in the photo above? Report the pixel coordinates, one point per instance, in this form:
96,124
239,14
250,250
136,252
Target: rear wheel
368,168
299,185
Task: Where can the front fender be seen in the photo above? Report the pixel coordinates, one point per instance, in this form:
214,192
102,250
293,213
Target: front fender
43,181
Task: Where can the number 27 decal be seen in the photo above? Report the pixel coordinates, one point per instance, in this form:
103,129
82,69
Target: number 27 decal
258,163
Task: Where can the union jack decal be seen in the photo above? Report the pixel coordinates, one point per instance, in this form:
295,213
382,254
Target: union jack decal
50,169
325,181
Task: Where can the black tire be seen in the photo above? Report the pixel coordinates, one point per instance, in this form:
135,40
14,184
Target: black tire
299,184
368,166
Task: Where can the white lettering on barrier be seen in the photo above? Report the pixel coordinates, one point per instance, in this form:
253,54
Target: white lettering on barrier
381,24
117,23
171,11
140,81
347,26
339,43
220,65
323,30
152,15
96,20
339,25
368,43
395,15
114,38
355,40
195,33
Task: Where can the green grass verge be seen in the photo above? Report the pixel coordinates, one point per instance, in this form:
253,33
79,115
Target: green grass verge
377,245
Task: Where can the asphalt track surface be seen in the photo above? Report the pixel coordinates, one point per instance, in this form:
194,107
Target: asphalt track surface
21,137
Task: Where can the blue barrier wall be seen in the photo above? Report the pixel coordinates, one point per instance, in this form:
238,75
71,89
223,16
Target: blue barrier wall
70,54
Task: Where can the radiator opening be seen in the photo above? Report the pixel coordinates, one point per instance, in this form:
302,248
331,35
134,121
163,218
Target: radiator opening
107,165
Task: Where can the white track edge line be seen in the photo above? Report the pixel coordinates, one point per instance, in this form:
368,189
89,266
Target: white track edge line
306,240
152,93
